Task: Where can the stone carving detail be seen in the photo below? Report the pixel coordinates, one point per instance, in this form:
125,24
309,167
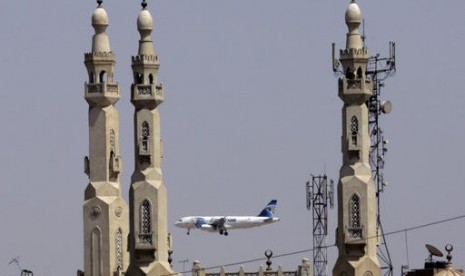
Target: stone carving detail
112,140
145,233
96,211
112,88
144,90
118,211
94,88
354,84
355,227
119,249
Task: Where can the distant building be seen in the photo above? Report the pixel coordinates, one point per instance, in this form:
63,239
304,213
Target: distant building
302,270
437,268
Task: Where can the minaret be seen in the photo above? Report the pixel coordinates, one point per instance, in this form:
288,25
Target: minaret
105,212
148,242
356,235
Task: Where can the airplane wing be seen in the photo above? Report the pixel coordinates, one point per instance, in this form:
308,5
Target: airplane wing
219,223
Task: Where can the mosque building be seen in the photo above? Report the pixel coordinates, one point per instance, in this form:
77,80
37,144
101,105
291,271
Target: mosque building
107,221
132,239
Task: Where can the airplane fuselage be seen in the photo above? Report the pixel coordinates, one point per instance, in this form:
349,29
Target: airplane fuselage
222,224
230,222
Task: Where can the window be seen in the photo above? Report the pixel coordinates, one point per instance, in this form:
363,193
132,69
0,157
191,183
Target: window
119,249
145,231
355,226
354,130
145,135
112,140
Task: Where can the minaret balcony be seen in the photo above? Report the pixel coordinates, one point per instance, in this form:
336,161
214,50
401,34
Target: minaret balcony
147,95
355,90
354,235
102,94
144,248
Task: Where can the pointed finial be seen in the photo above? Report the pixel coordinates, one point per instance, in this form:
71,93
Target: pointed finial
449,249
144,4
99,2
268,255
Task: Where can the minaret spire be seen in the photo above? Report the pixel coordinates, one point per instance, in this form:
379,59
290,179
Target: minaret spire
105,212
357,225
148,243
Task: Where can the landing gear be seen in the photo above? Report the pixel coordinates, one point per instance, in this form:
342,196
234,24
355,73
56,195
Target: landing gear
188,231
224,232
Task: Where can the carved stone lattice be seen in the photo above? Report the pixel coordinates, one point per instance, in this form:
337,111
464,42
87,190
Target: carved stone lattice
355,228
119,249
146,227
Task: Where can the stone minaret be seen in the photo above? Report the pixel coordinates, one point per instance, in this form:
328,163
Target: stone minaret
148,243
105,212
357,228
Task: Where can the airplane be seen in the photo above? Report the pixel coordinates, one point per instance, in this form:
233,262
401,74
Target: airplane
222,224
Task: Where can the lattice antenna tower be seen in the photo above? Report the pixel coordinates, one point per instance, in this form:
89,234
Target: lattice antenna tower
379,69
319,194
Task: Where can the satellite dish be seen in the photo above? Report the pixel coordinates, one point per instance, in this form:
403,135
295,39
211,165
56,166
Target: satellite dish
433,250
386,107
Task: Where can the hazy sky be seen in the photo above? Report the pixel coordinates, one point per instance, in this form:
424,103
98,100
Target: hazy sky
251,109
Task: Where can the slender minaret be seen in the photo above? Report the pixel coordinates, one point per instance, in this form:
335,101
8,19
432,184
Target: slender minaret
105,212
148,243
356,235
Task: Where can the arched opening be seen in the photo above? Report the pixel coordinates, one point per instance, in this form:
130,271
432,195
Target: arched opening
350,73
151,79
359,73
91,77
96,252
139,78
103,76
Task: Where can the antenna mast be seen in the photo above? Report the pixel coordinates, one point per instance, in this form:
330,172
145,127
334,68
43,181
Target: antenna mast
318,194
379,69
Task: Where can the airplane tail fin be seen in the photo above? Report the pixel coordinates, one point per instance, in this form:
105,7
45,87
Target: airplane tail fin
269,209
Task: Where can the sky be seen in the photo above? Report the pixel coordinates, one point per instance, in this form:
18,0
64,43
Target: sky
251,110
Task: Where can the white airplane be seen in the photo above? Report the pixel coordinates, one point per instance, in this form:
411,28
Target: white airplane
222,224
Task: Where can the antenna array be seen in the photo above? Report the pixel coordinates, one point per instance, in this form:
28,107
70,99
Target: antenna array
318,195
379,69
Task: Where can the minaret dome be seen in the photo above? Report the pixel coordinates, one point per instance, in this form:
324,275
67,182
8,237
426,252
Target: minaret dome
353,14
353,18
145,21
100,42
145,27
